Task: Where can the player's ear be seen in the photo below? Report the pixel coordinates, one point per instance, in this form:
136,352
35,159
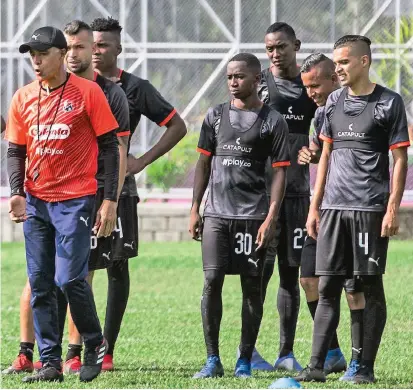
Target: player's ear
365,61
297,45
119,49
334,78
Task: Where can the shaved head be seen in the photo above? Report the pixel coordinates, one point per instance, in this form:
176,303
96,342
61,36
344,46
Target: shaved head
359,45
318,60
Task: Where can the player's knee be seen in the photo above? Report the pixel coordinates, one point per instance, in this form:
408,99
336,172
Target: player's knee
355,300
329,287
213,280
309,285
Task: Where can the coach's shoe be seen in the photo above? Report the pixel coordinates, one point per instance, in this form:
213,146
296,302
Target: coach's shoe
364,375
258,362
311,375
351,371
20,364
335,361
72,366
38,365
47,373
243,368
107,363
287,363
92,362
212,369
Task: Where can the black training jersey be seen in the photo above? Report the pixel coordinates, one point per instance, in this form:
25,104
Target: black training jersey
319,117
119,106
290,98
237,185
362,129
143,99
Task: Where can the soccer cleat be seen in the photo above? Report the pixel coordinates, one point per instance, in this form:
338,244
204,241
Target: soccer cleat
364,375
47,373
285,383
212,369
92,362
107,363
351,371
72,366
38,365
20,364
287,363
243,368
335,361
311,375
258,362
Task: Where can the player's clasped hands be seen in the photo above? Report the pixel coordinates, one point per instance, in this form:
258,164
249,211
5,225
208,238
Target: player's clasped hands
305,156
17,205
195,226
105,219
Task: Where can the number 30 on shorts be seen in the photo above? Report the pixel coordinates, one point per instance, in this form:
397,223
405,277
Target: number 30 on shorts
244,243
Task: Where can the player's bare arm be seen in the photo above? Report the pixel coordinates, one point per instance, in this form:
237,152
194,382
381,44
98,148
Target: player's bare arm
175,131
309,155
313,219
390,225
3,124
202,174
266,231
123,161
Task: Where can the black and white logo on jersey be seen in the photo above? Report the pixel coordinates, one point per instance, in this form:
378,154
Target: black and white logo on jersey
238,147
292,116
67,106
228,162
351,133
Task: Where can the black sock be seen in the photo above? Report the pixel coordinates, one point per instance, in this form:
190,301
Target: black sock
356,333
266,276
118,295
326,319
61,311
252,310
27,349
288,304
312,306
211,309
73,350
375,315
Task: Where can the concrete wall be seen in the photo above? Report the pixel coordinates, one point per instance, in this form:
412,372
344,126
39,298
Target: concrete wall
168,222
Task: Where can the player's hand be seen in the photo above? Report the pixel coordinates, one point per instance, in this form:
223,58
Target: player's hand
17,208
195,226
390,224
105,219
313,223
305,155
266,234
135,165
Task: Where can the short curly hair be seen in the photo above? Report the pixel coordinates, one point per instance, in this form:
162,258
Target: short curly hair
106,24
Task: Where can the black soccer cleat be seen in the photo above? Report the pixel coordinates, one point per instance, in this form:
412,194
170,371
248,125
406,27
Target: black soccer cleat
92,362
47,373
311,375
364,375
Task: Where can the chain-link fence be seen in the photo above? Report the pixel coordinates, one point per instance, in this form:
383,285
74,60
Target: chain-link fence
182,47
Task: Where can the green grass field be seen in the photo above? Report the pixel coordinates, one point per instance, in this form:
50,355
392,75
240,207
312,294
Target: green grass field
161,343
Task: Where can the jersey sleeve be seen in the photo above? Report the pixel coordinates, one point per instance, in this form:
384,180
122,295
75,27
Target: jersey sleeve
16,128
326,133
99,111
206,143
318,124
280,152
120,108
153,105
263,89
394,119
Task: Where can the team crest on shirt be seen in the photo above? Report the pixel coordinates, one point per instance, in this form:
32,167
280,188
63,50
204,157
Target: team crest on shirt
67,106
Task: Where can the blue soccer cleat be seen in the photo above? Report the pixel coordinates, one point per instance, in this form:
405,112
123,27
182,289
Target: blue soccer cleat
243,368
335,361
351,371
258,362
212,369
288,363
285,383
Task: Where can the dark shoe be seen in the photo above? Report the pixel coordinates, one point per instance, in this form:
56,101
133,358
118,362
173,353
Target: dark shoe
311,375
47,373
92,362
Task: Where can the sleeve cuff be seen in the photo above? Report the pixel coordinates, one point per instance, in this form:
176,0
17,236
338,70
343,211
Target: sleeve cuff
281,164
326,139
400,145
123,133
203,151
168,118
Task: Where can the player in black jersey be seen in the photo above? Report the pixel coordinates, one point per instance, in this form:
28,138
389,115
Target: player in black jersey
79,39
358,210
237,139
143,99
320,80
3,124
282,88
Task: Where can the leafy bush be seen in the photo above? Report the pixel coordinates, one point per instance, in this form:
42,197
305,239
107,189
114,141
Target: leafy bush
172,168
